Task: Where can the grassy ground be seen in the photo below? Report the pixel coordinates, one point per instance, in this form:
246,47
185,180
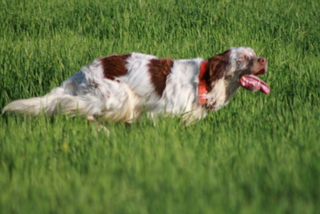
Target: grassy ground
260,154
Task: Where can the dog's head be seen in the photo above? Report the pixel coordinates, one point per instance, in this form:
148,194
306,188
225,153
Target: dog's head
238,67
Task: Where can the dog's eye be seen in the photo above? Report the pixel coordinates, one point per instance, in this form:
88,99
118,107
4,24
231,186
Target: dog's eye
244,57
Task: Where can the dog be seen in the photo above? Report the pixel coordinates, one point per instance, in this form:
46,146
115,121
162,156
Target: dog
120,87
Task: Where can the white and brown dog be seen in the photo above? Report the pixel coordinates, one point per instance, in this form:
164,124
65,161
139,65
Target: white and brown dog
119,87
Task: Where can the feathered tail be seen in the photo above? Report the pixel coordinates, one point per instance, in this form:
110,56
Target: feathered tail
33,106
116,108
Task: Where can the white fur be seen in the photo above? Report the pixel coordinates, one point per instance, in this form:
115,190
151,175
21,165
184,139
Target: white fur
89,93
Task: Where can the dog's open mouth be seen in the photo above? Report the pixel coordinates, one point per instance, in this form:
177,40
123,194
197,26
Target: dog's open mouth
253,83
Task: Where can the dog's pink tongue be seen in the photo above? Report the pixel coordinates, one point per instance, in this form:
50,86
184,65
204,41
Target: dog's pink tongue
253,83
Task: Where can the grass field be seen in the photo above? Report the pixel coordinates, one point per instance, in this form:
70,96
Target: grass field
260,154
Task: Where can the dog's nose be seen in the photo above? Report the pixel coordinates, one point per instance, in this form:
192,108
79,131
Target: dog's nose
262,60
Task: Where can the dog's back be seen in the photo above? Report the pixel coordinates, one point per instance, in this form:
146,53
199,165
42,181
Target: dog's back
118,87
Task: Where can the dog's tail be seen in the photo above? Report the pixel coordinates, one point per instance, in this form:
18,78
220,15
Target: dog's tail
118,107
51,104
57,101
33,106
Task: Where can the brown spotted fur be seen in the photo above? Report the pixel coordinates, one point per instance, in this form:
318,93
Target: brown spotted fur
159,70
114,66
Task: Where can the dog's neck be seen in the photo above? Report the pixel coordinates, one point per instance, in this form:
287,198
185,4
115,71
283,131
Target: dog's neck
214,95
221,93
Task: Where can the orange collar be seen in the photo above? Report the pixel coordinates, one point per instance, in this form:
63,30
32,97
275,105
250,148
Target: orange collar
202,88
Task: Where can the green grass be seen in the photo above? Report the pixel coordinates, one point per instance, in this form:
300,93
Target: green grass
260,154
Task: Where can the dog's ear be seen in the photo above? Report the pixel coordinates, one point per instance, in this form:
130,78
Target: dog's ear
217,66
